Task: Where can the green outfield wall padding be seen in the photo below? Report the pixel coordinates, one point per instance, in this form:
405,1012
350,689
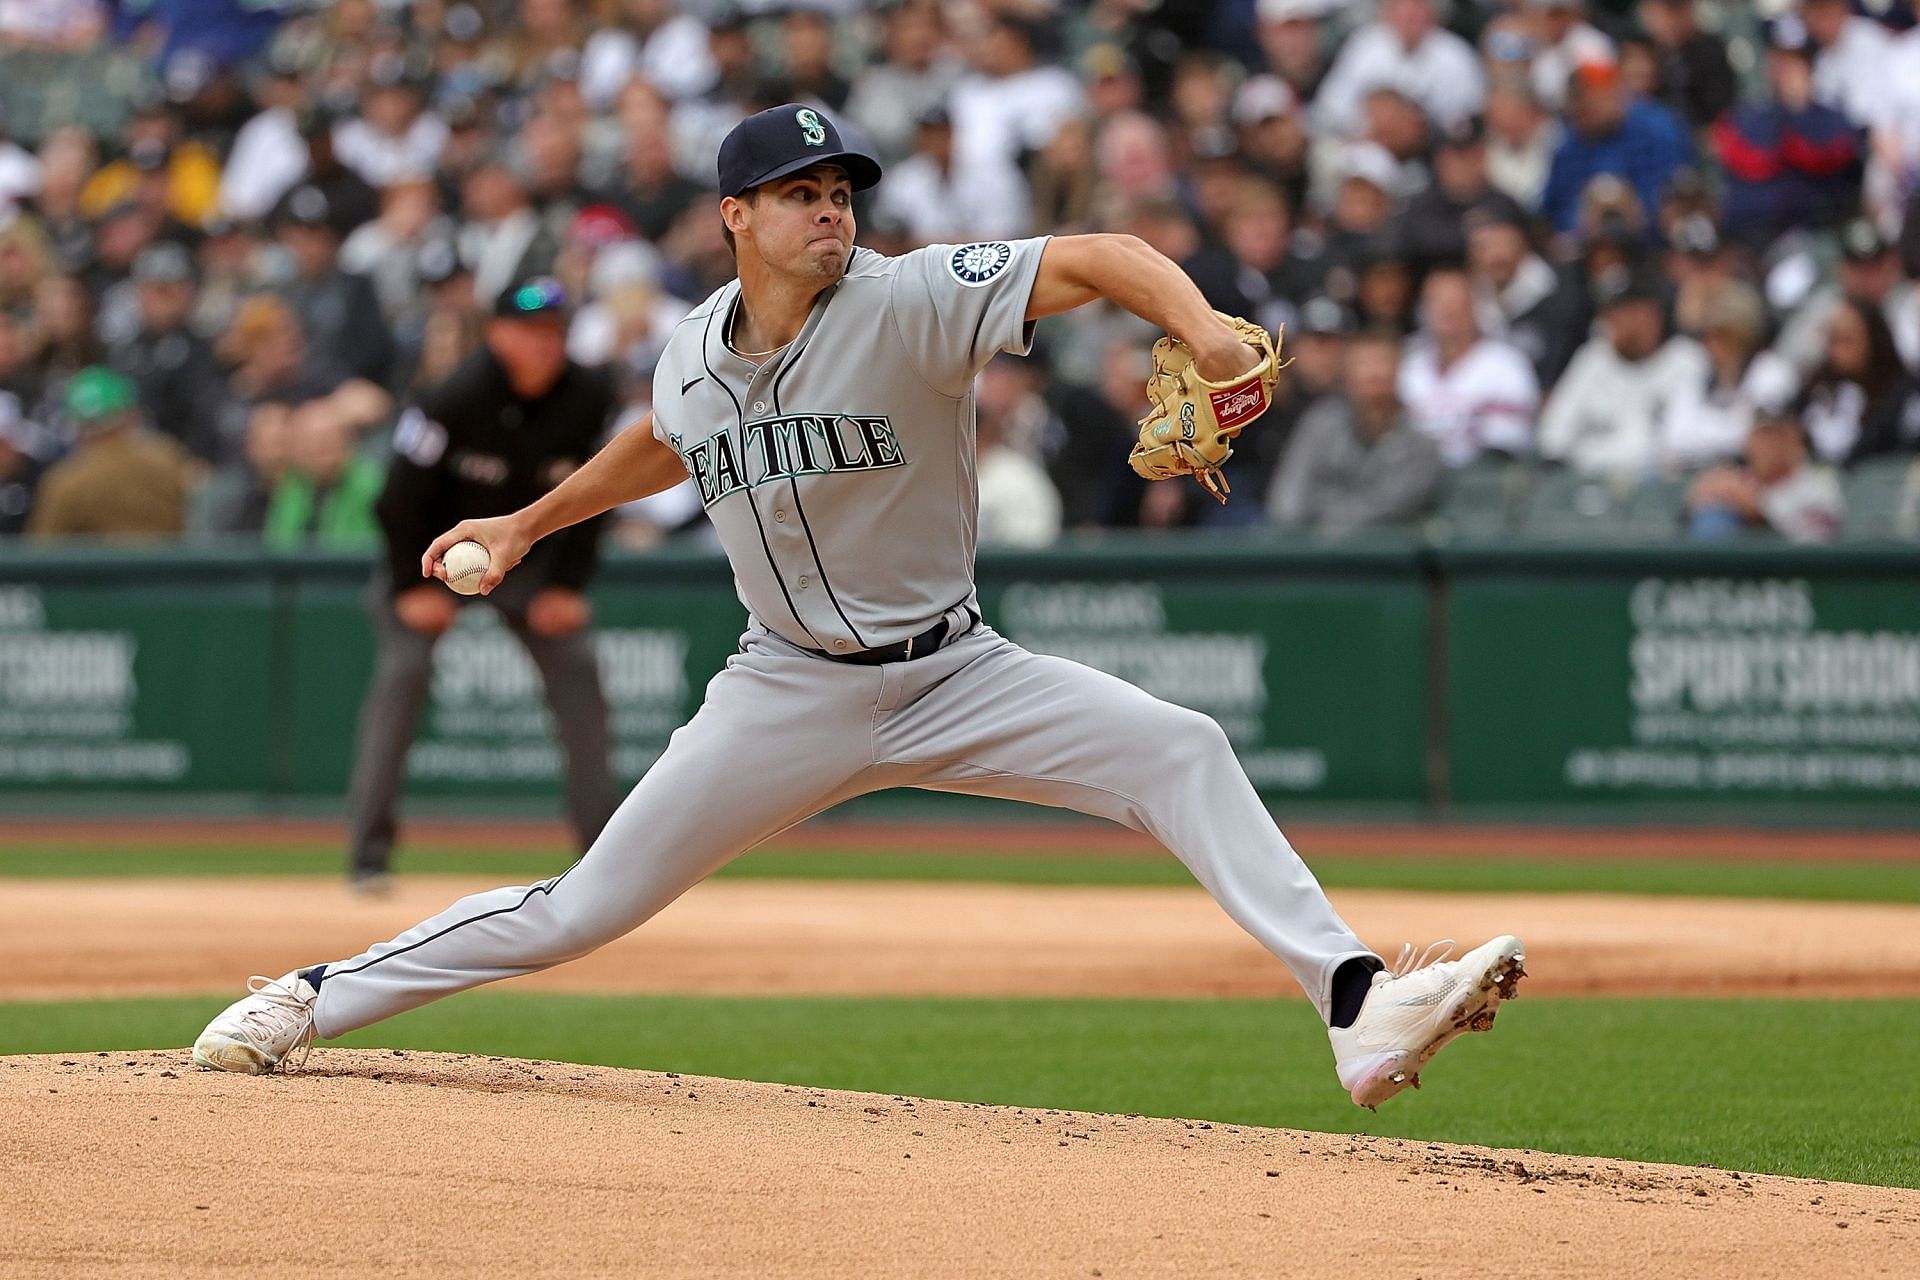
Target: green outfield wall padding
1385,672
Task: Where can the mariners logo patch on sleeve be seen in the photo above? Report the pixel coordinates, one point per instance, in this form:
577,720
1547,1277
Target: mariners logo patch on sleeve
975,264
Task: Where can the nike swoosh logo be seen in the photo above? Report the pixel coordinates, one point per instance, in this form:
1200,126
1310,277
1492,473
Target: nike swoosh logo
685,386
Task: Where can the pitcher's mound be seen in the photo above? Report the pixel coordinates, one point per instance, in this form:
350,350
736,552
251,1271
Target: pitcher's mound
429,1164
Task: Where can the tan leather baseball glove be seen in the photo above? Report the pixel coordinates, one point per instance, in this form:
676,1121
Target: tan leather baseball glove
1190,429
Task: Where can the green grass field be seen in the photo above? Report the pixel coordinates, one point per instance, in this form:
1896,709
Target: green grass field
1795,1087
1799,1087
1820,881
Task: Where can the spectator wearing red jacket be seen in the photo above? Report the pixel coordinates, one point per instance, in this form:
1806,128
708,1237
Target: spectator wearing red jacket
1790,161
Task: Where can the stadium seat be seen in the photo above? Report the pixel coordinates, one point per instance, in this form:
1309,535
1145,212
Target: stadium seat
1883,500
1655,507
1480,500
1565,506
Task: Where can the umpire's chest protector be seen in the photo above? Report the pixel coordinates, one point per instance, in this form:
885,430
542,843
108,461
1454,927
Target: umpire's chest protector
839,473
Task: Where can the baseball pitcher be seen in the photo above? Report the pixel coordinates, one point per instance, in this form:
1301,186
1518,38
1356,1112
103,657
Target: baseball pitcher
822,402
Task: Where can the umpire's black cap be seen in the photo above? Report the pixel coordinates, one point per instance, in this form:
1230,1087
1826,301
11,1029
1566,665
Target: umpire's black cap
783,140
535,297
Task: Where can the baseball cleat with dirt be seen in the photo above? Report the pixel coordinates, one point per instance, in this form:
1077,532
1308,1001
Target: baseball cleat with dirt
1415,1008
254,1035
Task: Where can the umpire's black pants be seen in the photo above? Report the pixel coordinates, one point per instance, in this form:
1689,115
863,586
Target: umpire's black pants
390,716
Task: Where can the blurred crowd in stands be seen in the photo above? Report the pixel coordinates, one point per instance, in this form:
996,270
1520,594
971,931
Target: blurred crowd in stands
1546,268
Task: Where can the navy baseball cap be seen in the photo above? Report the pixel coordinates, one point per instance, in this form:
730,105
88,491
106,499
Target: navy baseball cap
783,140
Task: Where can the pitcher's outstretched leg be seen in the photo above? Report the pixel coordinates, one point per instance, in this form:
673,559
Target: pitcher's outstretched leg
1058,733
730,777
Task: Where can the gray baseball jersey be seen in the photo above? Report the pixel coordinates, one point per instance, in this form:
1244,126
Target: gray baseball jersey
839,473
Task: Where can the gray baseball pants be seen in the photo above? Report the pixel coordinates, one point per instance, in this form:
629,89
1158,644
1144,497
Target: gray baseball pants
390,717
784,734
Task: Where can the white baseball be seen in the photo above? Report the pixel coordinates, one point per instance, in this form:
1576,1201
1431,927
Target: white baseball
465,563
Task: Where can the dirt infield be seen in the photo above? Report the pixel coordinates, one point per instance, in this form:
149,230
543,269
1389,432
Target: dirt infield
80,939
134,1164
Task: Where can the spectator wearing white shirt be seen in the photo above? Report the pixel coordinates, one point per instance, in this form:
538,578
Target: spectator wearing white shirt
1019,507
1893,171
914,75
1012,103
1869,268
269,154
62,25
1699,267
394,136
653,40
646,522
1399,125
1518,295
628,317
1604,416
24,448
1862,400
1406,50
937,200
1364,192
1522,136
1850,71
700,121
1566,40
1471,394
501,239
387,250
19,170
1778,489
1708,421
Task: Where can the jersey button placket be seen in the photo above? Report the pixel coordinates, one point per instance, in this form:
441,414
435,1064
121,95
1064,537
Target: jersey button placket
800,581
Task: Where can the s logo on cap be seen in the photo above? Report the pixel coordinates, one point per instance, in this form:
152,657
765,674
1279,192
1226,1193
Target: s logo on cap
812,132
540,295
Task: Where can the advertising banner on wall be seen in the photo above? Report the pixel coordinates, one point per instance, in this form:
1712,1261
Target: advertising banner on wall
1319,684
1570,678
485,727
1690,687
126,687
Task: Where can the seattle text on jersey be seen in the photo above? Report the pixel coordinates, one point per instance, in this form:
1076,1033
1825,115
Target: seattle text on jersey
800,444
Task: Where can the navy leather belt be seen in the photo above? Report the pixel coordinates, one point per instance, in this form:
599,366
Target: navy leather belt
928,641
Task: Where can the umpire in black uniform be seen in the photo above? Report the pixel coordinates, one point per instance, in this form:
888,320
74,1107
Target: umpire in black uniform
512,421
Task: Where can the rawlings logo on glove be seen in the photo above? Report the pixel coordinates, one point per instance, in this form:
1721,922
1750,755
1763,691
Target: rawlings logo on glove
1190,429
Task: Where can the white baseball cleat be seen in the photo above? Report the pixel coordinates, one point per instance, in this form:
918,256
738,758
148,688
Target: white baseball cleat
1416,1007
254,1035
